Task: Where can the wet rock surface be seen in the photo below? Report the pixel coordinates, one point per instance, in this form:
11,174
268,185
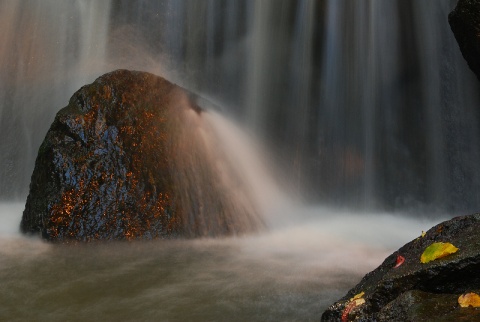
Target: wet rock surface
131,157
422,306
465,23
415,291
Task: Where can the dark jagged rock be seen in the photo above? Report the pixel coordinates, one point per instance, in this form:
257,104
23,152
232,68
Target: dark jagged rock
465,23
420,290
131,157
422,306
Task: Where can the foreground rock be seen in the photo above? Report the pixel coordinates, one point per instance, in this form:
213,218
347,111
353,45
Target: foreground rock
465,24
131,157
420,292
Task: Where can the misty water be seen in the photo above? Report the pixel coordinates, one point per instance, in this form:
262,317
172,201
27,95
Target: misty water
356,126
290,273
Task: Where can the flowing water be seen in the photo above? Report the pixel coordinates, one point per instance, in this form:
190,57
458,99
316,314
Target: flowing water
291,273
364,105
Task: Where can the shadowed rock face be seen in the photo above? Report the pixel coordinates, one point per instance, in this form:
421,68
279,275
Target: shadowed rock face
420,291
131,157
465,24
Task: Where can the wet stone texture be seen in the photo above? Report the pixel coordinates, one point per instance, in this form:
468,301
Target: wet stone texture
128,158
419,292
465,23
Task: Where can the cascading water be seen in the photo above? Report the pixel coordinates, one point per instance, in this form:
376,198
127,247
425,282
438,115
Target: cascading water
366,104
373,104
49,51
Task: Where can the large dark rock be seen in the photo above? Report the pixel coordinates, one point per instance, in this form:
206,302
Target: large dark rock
420,291
131,157
465,23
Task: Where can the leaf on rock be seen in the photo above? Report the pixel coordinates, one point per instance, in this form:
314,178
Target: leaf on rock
357,300
358,296
469,299
437,250
423,234
400,261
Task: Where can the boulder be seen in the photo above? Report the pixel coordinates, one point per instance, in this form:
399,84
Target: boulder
132,157
465,23
416,290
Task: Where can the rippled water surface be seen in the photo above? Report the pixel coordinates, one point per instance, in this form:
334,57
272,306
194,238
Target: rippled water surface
290,273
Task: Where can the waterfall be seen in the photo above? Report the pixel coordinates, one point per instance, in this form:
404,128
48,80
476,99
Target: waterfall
366,105
369,103
50,49
362,103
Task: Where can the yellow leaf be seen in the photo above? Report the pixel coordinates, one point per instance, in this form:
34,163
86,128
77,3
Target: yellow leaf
359,301
469,299
437,250
423,233
358,296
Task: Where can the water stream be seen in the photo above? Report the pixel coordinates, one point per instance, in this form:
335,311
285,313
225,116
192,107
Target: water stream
291,273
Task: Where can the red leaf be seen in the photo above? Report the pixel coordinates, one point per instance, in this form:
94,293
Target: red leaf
400,260
353,303
347,310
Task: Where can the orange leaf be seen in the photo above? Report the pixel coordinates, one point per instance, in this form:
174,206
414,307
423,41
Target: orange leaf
469,299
